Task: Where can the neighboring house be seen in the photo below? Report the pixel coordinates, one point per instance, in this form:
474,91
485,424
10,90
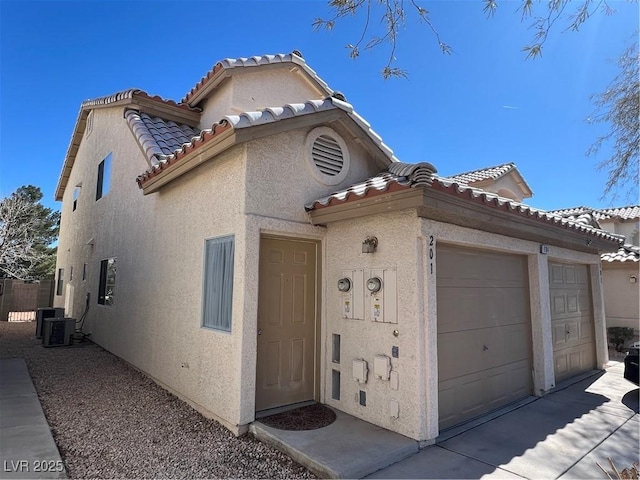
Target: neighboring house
233,276
504,180
620,268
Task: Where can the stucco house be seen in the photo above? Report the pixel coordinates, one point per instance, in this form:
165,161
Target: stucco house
621,267
256,245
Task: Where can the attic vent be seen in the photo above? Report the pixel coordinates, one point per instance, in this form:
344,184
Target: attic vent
328,155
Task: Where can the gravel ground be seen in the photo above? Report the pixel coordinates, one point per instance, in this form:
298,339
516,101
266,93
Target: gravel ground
111,421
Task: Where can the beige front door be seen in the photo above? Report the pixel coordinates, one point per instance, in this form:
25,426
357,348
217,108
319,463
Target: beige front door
484,332
287,311
571,320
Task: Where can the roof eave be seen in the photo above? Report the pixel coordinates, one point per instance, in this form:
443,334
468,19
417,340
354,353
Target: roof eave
143,102
221,142
449,208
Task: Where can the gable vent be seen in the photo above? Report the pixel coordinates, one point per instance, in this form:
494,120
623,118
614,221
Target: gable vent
327,155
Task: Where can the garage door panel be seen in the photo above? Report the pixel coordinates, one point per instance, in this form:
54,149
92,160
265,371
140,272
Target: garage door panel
469,351
472,308
466,397
484,330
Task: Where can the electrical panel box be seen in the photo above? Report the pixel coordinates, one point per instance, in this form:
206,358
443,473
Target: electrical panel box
382,290
381,366
57,332
360,370
351,288
44,313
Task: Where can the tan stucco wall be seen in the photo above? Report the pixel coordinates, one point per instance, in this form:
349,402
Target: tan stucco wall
282,183
505,183
158,241
251,91
397,235
629,229
621,297
159,244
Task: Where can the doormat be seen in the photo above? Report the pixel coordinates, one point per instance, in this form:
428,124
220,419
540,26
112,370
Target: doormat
310,417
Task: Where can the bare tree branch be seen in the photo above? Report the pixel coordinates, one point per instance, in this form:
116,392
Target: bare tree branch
619,106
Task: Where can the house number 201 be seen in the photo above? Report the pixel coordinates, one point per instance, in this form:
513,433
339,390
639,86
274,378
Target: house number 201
431,254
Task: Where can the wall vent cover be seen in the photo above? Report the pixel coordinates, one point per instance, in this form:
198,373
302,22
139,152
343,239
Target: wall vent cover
328,155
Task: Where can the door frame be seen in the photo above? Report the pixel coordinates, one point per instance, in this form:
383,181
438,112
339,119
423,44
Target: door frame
317,344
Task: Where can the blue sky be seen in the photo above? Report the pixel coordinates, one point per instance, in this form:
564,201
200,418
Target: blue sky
484,105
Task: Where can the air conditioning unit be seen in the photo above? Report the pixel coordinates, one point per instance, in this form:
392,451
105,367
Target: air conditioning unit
43,313
57,332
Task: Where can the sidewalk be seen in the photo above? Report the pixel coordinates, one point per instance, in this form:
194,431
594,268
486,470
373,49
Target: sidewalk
27,449
561,435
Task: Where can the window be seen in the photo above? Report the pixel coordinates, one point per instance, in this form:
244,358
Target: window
218,283
104,177
70,273
89,128
60,283
107,281
84,272
76,194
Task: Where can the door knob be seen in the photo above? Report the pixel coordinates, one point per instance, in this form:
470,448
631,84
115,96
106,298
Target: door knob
259,332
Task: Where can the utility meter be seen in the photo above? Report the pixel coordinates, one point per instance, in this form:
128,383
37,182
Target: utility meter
374,284
344,285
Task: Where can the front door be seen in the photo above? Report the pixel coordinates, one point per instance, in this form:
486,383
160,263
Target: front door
287,306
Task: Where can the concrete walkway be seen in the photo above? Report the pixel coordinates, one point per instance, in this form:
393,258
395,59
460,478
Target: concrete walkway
561,435
27,449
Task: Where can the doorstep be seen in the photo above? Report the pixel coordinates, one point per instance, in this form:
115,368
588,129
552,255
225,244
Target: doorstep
348,448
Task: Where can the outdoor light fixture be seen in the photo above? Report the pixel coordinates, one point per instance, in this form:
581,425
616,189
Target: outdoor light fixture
633,279
369,245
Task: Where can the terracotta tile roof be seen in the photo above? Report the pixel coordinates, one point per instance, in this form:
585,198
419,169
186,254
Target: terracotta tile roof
230,63
622,213
130,94
571,212
244,120
123,97
388,182
489,173
157,137
626,253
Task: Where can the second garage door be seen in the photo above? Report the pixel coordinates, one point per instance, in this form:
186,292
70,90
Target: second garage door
571,320
484,332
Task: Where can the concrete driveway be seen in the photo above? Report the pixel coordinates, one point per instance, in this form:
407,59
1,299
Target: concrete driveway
561,435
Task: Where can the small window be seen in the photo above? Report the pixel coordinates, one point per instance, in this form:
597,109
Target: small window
84,272
60,283
327,156
70,273
218,283
76,194
89,127
107,281
104,177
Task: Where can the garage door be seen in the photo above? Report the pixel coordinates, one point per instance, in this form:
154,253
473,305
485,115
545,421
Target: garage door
571,320
484,332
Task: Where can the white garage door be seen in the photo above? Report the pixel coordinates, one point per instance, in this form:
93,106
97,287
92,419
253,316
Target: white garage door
571,320
484,332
